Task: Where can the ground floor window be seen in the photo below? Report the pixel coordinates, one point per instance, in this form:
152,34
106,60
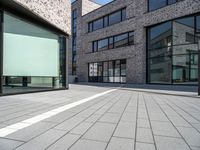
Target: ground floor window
33,58
113,71
173,51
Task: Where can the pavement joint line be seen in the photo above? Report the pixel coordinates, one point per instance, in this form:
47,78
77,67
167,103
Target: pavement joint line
28,122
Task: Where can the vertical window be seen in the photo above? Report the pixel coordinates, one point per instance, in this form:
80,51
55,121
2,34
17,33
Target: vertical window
198,24
131,38
111,42
95,46
105,21
90,27
123,14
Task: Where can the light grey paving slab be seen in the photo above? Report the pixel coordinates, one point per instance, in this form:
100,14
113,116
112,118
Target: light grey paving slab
110,118
60,117
65,142
43,141
69,124
197,126
88,145
18,119
143,123
178,121
144,135
128,117
167,143
32,131
120,144
195,148
144,146
164,129
82,128
125,129
100,132
158,117
191,135
6,144
93,118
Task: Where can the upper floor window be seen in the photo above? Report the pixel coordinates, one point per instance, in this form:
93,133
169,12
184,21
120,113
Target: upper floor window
198,24
114,42
107,20
156,4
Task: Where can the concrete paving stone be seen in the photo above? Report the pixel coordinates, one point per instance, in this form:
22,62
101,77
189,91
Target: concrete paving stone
93,118
88,145
131,109
32,131
197,126
110,118
86,113
120,144
144,135
167,143
69,124
142,115
143,123
82,128
100,132
157,117
43,141
195,148
60,117
7,144
18,119
65,142
129,117
125,130
144,146
191,135
164,129
178,121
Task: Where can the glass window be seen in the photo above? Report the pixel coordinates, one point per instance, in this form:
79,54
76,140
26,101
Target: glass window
182,28
74,14
160,36
115,18
111,42
123,14
98,24
171,1
103,45
185,68
160,70
121,40
105,19
183,49
131,38
90,27
198,23
156,4
33,54
95,44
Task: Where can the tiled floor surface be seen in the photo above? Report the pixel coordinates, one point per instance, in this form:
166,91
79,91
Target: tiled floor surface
121,120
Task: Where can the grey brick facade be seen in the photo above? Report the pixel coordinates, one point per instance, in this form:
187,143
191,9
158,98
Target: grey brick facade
138,18
57,12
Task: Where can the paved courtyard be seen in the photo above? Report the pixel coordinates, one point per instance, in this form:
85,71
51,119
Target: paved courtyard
99,118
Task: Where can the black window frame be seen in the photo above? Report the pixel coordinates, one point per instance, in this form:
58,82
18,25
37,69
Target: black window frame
166,4
91,23
95,43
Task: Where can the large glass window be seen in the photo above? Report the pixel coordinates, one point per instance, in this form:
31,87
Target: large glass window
102,44
173,52
33,58
108,71
156,4
107,20
114,42
198,24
